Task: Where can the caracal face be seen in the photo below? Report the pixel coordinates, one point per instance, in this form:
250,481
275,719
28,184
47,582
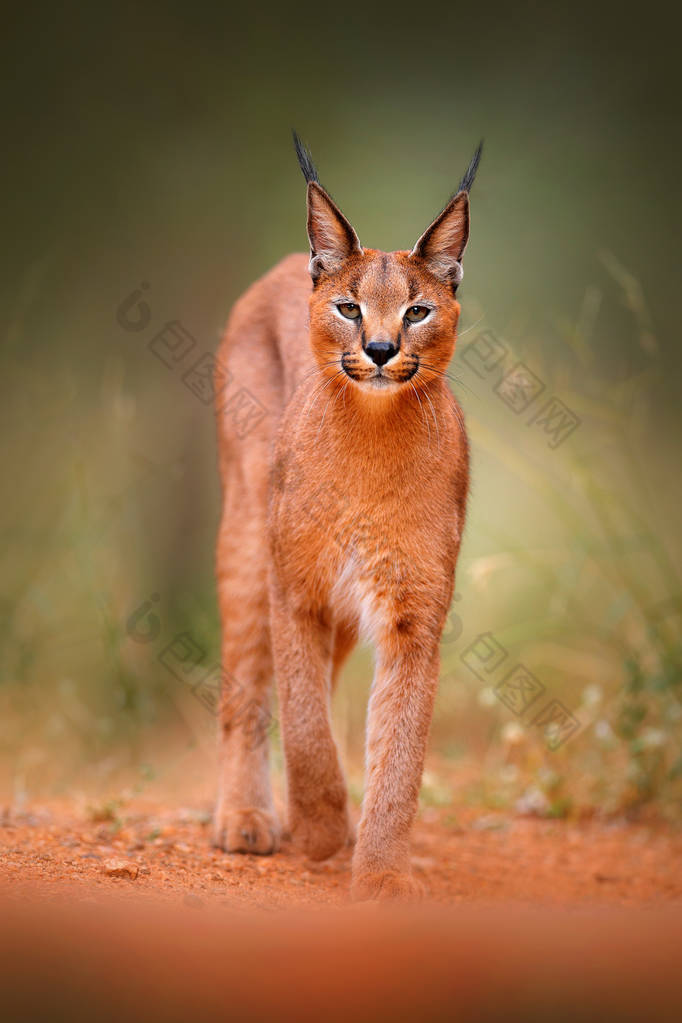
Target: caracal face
383,323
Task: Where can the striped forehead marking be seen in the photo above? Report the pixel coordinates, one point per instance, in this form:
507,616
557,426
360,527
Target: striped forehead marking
384,285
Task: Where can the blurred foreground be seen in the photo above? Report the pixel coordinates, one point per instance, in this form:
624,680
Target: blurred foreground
117,961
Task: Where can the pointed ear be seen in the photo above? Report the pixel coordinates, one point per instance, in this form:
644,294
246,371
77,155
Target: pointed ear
442,244
332,239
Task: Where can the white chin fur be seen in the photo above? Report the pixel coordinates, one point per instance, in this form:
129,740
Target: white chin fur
382,384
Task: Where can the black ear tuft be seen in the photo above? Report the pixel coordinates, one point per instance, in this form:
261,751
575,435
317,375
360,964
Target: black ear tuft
468,179
305,160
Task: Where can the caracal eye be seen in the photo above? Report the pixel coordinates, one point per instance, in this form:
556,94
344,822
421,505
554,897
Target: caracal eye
417,313
350,310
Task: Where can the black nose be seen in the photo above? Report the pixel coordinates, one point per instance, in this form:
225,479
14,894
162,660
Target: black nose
381,351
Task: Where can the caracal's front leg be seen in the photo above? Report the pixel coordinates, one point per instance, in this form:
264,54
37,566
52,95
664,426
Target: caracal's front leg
302,648
399,717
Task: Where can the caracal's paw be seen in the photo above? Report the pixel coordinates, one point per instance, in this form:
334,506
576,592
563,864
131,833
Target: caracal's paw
247,831
321,833
386,886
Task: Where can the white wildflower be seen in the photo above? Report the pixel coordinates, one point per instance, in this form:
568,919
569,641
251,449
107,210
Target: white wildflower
513,733
603,730
487,697
653,738
532,802
592,695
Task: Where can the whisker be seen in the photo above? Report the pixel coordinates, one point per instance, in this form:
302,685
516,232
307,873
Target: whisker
422,408
450,376
471,327
352,421
306,410
458,415
341,390
334,394
345,388
433,413
317,369
454,406
317,392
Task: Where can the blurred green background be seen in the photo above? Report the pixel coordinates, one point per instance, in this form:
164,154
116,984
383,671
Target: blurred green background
152,144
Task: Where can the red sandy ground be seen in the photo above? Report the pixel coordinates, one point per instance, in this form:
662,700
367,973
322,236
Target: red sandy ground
484,858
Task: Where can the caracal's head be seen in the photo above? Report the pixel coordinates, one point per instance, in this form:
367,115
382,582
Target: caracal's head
384,320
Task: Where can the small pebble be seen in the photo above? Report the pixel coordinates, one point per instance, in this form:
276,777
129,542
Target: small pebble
121,868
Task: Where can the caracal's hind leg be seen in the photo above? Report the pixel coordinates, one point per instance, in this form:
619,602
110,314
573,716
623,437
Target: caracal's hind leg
245,819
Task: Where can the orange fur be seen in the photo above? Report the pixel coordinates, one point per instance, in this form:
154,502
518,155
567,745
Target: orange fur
343,513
